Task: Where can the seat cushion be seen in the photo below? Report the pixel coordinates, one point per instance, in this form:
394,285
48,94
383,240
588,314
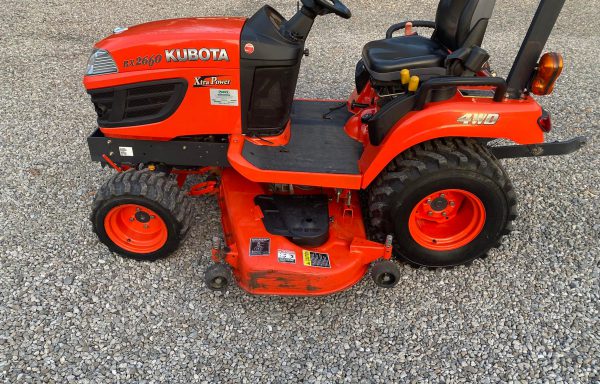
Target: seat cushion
405,52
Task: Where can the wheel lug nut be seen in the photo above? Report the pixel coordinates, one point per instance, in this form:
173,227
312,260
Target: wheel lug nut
152,216
452,203
146,226
430,213
137,209
444,214
428,201
443,195
131,219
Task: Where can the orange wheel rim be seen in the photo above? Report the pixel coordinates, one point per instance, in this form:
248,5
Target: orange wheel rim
446,220
136,228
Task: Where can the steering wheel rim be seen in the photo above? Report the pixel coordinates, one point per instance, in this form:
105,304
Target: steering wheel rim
335,6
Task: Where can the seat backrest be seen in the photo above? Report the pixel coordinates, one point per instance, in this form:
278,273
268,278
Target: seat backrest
462,23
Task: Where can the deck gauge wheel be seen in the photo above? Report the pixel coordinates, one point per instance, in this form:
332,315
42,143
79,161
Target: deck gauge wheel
385,273
218,277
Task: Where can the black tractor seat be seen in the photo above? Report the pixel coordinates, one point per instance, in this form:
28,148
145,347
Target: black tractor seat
458,24
386,58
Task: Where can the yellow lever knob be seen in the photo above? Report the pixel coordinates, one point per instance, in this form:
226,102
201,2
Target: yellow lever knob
405,76
413,84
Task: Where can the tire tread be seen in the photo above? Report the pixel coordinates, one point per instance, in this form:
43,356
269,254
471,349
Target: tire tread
154,186
429,157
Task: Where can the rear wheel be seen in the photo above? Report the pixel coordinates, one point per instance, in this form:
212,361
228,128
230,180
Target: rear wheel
141,214
447,219
447,202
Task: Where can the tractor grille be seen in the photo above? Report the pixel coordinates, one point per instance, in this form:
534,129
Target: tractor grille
137,104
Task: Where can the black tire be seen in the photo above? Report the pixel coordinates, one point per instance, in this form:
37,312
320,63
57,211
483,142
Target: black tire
385,273
152,190
218,277
432,166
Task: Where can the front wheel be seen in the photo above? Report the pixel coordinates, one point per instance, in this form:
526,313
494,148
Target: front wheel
141,215
447,202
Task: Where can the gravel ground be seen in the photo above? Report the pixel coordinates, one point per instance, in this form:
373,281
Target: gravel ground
72,311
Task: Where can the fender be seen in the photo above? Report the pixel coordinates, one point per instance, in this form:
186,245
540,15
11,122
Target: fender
514,120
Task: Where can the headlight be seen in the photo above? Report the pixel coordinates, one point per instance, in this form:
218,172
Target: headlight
101,63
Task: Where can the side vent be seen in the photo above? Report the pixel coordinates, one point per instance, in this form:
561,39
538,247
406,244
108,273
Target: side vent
138,104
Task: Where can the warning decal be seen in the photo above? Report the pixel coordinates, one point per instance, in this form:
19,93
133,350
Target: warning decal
315,259
260,247
284,256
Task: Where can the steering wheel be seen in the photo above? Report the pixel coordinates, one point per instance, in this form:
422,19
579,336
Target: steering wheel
323,7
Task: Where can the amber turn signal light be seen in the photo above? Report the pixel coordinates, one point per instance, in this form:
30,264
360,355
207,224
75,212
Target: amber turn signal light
549,69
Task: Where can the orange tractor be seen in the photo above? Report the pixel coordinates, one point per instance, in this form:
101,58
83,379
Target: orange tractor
316,193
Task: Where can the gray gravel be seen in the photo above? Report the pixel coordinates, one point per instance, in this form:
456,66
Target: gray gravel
71,311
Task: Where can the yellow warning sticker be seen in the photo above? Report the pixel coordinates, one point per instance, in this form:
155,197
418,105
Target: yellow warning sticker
315,259
306,257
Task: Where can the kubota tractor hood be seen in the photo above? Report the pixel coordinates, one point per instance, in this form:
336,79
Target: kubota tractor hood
176,43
